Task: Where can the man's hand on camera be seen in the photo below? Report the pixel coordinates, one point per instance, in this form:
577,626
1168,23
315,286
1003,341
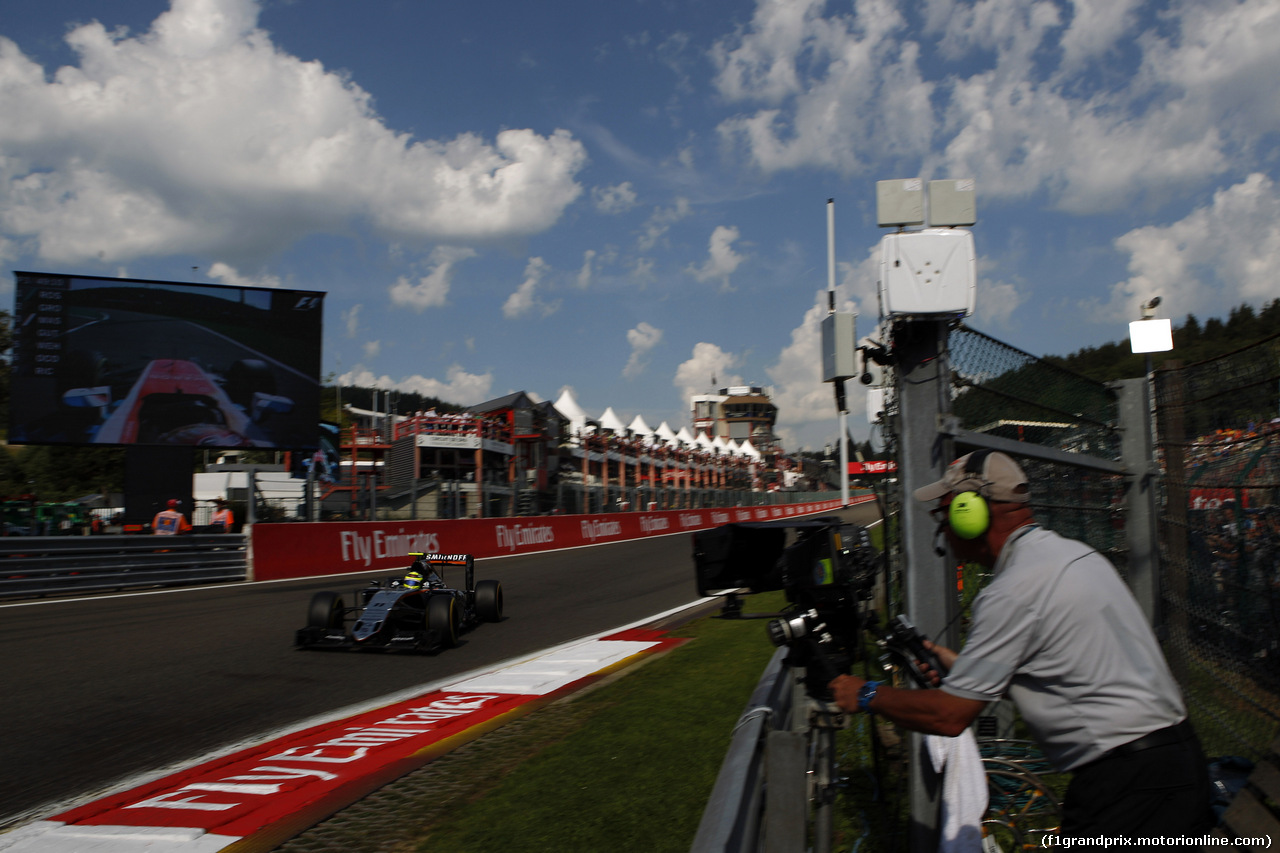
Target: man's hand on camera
946,657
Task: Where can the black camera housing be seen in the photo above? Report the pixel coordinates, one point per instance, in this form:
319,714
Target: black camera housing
827,571
827,558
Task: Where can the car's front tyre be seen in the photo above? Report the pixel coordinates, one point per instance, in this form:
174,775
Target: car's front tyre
326,611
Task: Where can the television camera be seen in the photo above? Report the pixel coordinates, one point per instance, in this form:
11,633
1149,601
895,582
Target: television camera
829,572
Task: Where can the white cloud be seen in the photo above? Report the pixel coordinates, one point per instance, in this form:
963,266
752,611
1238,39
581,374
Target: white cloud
351,319
612,200
837,92
1097,27
642,339
227,274
800,394
525,299
706,370
1216,257
460,387
660,222
202,136
372,349
996,302
1027,97
722,260
364,378
761,64
431,290
587,271
642,271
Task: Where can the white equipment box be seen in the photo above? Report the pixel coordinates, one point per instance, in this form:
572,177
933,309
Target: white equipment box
928,273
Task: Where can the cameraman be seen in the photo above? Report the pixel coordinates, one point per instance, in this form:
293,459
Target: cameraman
1057,631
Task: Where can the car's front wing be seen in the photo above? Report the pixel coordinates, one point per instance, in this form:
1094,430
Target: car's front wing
337,639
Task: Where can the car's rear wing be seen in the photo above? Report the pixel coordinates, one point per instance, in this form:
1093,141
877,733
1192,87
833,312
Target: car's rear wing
439,561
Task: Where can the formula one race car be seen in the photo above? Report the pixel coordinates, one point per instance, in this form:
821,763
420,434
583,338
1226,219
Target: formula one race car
415,611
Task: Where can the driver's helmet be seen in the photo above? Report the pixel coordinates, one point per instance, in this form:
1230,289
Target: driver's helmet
413,580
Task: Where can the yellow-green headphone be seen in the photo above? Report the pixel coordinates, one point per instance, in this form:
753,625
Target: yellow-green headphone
969,515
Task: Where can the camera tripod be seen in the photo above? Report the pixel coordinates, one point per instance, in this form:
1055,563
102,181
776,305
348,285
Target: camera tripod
800,774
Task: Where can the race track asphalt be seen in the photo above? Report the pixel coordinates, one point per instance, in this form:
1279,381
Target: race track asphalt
96,691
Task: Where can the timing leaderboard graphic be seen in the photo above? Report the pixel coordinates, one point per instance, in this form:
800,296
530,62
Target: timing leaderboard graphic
133,362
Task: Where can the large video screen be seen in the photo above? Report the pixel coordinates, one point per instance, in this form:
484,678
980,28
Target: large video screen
130,362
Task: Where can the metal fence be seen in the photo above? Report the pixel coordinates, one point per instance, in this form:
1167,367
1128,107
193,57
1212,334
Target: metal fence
1003,392
1203,450
1064,430
736,815
1218,427
38,566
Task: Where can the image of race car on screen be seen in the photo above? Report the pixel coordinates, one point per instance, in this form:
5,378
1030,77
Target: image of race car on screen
414,611
178,402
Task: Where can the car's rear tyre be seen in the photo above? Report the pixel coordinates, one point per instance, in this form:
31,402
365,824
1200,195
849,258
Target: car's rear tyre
326,611
489,601
442,617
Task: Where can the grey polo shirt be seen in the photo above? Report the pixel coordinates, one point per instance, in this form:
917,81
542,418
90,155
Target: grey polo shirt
1060,633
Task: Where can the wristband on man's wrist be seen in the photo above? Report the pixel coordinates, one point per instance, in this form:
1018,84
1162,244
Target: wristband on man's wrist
866,693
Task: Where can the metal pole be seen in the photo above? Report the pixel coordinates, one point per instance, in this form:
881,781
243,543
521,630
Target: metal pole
311,491
1137,454
923,392
843,419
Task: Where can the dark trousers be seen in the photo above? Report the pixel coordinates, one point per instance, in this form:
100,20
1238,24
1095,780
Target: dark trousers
1161,790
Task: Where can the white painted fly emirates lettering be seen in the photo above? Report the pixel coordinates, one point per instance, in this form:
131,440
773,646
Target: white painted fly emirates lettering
512,538
690,519
380,545
719,518
649,523
321,761
593,530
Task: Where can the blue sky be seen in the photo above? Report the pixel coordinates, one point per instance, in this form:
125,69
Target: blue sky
628,198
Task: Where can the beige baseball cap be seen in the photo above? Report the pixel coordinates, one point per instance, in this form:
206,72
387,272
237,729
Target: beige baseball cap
992,474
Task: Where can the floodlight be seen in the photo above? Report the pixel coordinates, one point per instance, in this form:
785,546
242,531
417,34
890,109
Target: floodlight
1151,335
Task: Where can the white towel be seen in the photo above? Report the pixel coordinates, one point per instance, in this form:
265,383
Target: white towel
964,791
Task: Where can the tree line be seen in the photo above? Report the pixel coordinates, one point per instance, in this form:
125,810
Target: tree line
1192,342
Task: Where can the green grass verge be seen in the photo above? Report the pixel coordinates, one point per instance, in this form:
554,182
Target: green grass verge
628,765
637,770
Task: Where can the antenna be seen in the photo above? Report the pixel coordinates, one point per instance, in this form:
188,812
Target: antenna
839,346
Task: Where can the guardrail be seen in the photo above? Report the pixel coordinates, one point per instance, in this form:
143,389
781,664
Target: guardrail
732,820
38,566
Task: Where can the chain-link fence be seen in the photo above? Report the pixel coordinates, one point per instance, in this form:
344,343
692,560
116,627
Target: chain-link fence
1219,439
1218,443
1001,391
1205,569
